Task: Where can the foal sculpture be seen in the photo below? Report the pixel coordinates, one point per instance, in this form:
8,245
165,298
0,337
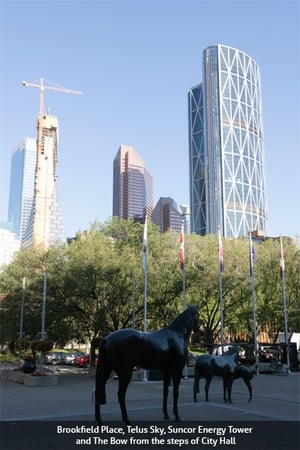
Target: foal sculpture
226,366
165,350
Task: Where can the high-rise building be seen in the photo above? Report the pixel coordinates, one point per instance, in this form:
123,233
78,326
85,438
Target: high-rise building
21,189
226,146
186,217
9,245
132,186
45,226
167,215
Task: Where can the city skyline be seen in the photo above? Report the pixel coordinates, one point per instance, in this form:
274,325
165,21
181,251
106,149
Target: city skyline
137,92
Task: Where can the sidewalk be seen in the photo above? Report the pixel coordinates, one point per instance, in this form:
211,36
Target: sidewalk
275,397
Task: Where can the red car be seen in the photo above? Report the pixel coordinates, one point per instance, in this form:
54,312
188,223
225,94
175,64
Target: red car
267,353
83,360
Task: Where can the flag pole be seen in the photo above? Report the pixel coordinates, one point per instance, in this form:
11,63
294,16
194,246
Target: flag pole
282,273
182,267
133,301
251,255
145,267
43,333
221,269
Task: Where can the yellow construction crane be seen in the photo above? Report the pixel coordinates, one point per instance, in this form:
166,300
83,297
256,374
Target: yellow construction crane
42,88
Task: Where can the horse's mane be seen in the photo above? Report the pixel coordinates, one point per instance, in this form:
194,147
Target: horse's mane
183,318
232,350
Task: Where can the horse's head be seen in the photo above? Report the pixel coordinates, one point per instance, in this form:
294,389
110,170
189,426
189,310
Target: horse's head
196,322
187,321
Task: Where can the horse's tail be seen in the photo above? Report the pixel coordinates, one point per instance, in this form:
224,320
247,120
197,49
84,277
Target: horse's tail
102,373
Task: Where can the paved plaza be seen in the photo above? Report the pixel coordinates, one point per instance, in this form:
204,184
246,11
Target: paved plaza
275,398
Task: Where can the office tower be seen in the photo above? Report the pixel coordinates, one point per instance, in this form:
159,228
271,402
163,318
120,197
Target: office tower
9,245
226,147
21,187
132,186
167,215
186,217
45,227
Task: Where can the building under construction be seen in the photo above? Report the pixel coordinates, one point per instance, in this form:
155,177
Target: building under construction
45,226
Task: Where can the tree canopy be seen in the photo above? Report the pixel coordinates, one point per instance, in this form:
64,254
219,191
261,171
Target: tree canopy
95,285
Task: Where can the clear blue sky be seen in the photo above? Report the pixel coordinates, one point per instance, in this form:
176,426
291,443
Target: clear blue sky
135,62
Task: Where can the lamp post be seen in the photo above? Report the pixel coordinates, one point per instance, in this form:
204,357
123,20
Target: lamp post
21,333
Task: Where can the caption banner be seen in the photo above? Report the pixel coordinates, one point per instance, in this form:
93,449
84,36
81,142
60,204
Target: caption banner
156,436
66,435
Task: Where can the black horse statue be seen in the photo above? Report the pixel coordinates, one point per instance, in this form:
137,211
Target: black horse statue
165,350
226,366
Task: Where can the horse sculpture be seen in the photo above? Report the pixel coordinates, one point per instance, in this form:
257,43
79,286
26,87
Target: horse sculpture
164,349
226,366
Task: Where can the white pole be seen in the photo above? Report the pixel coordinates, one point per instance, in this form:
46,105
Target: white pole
286,338
254,304
133,301
22,317
221,268
43,334
182,267
145,267
184,308
221,309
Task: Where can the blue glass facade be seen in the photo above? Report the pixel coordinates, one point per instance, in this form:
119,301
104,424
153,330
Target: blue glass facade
226,151
21,188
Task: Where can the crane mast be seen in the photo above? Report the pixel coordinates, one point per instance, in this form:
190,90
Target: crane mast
41,86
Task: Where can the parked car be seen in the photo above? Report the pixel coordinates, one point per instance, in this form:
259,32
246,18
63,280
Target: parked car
69,358
217,350
55,358
84,360
267,353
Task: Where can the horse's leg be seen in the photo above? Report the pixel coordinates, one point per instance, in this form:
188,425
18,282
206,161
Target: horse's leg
208,379
124,380
224,390
102,374
165,394
176,383
228,383
196,382
249,386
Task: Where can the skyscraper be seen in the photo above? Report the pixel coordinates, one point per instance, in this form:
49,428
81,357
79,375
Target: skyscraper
132,185
226,148
45,226
21,189
167,215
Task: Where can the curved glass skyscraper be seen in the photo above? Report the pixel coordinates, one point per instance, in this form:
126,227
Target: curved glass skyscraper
226,151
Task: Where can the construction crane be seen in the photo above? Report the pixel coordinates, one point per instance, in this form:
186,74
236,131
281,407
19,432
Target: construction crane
42,88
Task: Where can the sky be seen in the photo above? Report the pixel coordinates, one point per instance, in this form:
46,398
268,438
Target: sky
134,62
